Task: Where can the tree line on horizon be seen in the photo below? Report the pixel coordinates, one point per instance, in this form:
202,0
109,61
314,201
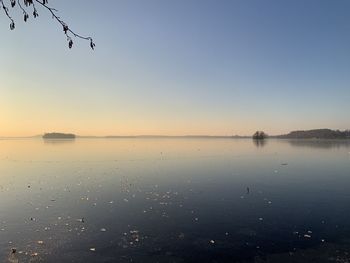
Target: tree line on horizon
307,134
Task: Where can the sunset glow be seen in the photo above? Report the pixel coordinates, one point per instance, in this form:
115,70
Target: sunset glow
177,68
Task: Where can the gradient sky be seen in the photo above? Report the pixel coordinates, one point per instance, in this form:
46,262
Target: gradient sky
178,67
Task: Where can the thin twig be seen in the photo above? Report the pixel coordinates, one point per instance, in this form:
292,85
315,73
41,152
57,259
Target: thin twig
64,25
7,13
20,6
26,16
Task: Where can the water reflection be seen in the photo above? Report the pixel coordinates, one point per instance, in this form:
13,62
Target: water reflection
260,143
58,141
183,200
314,143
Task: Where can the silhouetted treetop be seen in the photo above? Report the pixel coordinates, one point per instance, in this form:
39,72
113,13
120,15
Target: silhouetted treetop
259,135
30,6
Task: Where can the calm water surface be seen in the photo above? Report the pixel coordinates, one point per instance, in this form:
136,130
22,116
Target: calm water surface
174,200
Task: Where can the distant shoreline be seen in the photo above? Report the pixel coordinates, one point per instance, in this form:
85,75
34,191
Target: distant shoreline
315,134
177,137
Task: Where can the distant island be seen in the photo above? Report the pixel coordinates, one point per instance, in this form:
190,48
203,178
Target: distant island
316,134
56,135
259,135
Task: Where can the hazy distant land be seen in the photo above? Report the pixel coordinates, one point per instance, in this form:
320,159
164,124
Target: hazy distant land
57,135
317,134
298,134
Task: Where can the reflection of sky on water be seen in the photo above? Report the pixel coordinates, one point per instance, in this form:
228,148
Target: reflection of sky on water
170,200
260,143
58,141
320,143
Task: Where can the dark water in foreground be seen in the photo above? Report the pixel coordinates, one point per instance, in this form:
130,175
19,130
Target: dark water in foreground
174,200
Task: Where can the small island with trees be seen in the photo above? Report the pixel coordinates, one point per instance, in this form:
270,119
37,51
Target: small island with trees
259,135
57,135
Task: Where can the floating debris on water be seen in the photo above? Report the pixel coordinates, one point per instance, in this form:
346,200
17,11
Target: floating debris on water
82,220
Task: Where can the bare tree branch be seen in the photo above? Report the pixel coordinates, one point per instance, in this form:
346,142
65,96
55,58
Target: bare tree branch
44,3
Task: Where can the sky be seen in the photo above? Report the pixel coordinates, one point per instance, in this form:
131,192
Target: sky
177,67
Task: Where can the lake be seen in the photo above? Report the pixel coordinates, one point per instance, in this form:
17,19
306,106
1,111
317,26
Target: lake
174,200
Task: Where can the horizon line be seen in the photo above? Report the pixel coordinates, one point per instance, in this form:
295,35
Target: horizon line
162,135
134,136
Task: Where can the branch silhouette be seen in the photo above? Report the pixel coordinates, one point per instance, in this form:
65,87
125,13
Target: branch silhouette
44,3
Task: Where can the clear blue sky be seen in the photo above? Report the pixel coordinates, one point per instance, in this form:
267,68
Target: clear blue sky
178,67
